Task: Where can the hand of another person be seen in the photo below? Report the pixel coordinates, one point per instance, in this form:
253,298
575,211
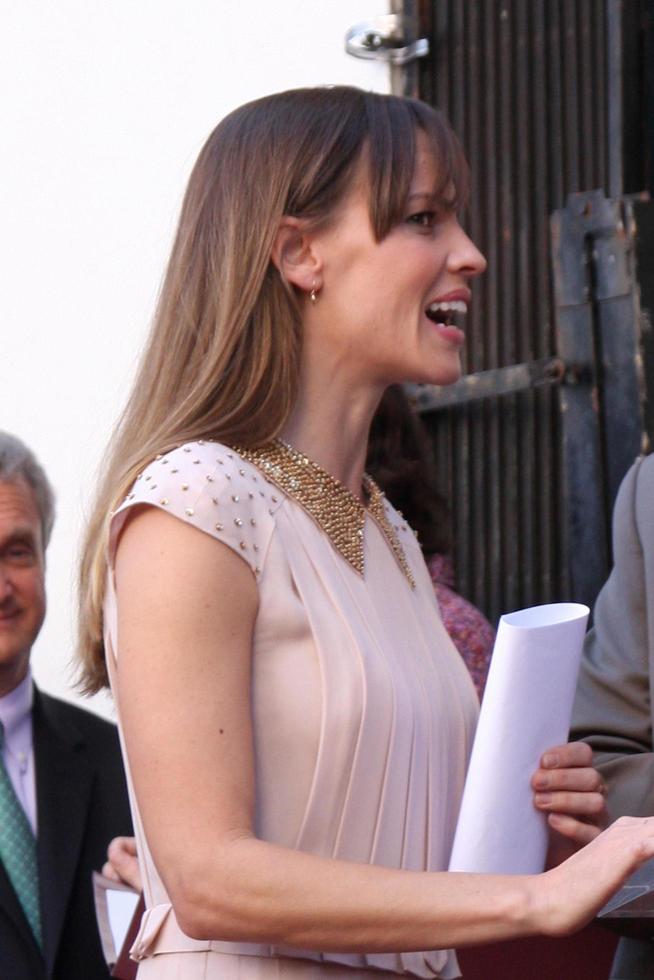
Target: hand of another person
122,862
571,792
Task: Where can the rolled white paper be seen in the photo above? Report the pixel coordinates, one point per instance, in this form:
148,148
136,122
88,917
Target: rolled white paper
526,709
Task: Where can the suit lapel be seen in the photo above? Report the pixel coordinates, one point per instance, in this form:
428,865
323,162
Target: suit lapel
64,777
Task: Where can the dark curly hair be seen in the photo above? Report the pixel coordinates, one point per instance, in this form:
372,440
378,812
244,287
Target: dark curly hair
400,460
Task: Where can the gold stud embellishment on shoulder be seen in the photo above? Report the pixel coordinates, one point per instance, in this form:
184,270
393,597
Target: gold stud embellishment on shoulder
184,486
219,527
174,470
189,512
164,501
242,545
253,522
235,498
187,449
238,522
210,478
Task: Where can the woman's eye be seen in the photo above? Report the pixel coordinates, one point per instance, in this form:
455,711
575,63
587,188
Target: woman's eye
424,219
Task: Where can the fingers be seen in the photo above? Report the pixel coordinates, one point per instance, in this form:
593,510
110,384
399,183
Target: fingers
573,830
584,780
122,864
589,805
571,754
121,845
109,871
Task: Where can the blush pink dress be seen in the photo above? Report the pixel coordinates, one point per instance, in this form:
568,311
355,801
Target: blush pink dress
363,710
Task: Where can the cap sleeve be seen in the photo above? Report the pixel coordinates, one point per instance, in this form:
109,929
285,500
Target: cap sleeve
208,486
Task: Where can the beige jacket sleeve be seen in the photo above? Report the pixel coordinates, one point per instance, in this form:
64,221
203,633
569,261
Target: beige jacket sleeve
613,707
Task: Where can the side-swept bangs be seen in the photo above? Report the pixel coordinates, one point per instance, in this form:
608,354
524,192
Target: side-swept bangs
393,124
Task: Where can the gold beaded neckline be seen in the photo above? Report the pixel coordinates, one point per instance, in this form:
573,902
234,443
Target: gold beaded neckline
325,499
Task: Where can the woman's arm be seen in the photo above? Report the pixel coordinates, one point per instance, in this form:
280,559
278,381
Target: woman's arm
187,607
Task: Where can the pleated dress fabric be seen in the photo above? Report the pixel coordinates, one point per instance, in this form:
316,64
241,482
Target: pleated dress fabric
363,711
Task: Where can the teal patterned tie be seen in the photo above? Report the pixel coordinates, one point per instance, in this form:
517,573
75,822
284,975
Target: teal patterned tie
18,849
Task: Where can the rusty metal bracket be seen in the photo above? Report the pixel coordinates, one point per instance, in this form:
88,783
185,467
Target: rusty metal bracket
597,328
488,384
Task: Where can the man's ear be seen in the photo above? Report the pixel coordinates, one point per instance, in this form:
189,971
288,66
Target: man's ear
294,256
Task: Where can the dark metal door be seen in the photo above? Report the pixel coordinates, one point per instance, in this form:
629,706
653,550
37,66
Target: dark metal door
540,93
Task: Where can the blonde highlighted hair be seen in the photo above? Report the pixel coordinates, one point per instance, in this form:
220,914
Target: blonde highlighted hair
222,358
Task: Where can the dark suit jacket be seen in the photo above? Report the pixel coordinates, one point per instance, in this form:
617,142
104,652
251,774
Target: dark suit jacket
81,804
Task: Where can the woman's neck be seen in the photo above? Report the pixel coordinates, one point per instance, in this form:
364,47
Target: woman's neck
331,425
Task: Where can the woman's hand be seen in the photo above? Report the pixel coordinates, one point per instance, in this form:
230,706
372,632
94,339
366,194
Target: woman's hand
571,792
122,863
570,895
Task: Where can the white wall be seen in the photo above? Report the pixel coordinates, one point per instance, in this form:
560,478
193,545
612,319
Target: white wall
104,108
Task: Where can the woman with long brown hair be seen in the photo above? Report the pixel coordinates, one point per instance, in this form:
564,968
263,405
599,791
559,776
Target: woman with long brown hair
296,722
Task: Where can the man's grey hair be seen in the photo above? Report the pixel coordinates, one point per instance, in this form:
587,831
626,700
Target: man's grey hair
18,462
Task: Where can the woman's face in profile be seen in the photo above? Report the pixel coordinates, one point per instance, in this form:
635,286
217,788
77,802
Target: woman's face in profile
396,308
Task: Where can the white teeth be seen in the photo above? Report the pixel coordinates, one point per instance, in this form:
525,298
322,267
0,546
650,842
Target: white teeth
455,306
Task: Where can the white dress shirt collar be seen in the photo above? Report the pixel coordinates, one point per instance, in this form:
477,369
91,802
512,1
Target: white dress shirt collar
15,708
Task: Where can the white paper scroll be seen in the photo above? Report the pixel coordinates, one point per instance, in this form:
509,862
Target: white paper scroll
526,709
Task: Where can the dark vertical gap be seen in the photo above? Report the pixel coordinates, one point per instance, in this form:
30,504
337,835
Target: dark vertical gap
489,419
508,471
570,98
539,149
601,83
456,109
477,226
586,129
525,180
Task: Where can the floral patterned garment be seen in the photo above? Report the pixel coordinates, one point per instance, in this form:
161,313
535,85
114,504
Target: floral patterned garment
471,633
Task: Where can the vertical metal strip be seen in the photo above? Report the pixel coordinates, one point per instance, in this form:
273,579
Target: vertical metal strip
614,106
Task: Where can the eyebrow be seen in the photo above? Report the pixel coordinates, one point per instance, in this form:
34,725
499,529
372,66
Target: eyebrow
20,535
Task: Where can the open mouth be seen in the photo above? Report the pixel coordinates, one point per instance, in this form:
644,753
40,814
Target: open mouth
449,313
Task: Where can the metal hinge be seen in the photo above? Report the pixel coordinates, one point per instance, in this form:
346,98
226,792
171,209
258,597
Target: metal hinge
384,39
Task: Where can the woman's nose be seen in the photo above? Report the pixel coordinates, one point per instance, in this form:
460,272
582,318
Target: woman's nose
465,256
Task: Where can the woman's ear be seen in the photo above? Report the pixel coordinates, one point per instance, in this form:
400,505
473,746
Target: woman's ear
294,256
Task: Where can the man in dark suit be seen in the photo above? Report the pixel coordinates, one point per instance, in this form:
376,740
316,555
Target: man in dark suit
61,775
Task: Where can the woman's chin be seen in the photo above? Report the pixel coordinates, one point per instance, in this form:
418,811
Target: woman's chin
441,376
